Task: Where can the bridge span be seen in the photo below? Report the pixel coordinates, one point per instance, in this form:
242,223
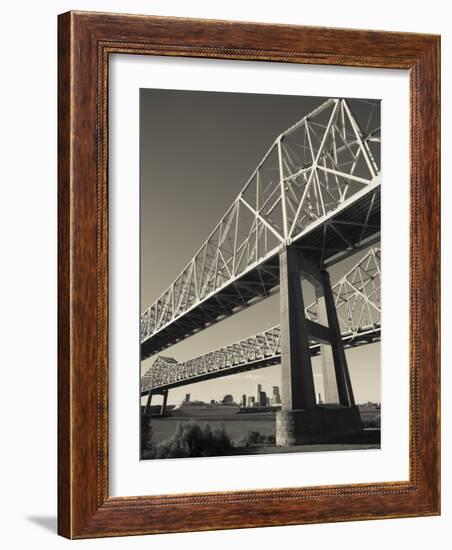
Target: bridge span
317,187
313,200
357,300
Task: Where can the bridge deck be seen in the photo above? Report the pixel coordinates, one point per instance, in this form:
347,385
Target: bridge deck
347,230
316,187
357,300
224,362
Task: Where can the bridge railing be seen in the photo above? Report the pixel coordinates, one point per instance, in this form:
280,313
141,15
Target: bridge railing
312,169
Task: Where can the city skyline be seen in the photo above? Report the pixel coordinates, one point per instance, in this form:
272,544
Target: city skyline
243,399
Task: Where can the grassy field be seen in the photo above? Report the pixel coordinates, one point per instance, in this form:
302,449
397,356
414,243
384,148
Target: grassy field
239,426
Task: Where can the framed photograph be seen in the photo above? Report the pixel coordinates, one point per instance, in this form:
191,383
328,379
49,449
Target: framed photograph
248,275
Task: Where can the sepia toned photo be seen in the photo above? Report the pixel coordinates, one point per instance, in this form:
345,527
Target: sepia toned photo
260,274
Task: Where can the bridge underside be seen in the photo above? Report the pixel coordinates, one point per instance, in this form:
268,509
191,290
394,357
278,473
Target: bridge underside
345,233
369,336
253,286
341,234
221,373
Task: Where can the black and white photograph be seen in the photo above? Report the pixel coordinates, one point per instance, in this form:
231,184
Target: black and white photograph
260,273
224,243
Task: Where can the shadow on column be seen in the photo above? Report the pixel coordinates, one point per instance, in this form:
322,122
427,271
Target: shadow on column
301,420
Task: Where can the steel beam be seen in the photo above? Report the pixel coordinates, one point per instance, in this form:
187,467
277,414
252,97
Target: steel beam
318,174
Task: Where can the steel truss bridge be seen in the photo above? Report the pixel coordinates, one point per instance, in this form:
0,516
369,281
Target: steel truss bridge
317,187
357,300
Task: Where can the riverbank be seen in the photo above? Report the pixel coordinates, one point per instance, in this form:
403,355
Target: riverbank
238,427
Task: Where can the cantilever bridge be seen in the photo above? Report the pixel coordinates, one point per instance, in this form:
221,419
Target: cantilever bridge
313,200
317,186
357,299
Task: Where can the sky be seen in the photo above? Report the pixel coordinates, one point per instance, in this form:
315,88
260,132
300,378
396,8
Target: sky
197,150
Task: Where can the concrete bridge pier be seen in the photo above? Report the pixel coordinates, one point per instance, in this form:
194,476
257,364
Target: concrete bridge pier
301,419
165,399
147,408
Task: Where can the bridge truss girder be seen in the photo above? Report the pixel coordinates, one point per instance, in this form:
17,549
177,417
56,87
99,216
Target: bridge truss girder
318,185
357,299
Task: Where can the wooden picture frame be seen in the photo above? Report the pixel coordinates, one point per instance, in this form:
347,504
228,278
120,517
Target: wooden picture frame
85,42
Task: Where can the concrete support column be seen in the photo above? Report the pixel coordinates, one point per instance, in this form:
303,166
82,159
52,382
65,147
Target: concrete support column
331,396
165,399
297,382
300,419
344,387
147,408
326,353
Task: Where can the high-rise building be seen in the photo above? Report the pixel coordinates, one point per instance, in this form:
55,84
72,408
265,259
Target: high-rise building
251,401
243,400
276,396
259,389
262,402
187,397
259,396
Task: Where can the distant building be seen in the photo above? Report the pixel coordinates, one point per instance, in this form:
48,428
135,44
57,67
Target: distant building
259,389
228,399
251,401
262,402
187,397
268,403
243,400
276,396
